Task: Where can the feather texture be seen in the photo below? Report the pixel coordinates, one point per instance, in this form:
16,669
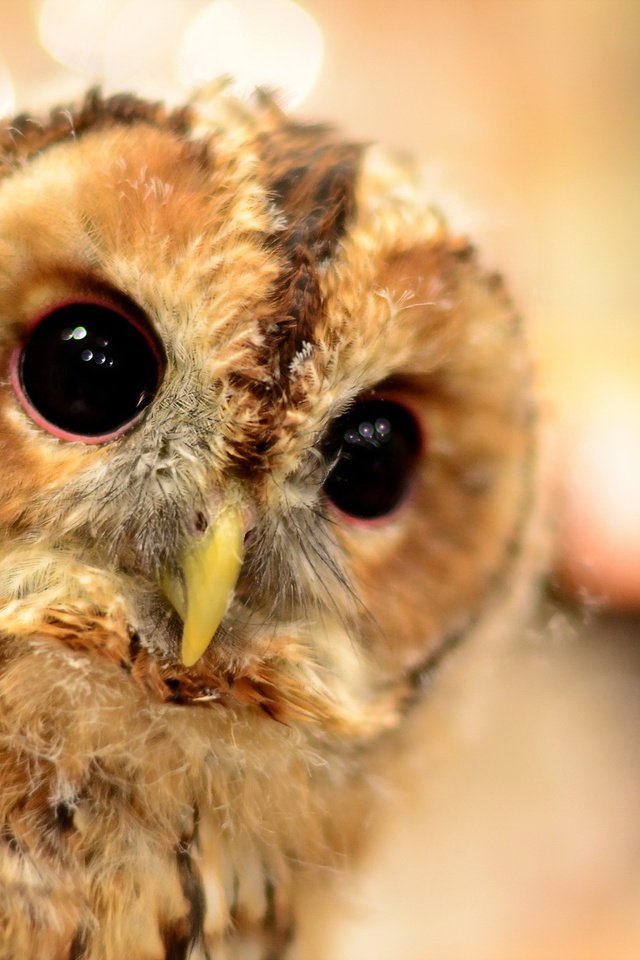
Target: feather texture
150,810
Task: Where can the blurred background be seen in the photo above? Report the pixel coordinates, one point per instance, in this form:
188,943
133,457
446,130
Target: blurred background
525,116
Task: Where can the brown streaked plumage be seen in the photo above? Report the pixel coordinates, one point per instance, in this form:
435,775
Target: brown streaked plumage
152,809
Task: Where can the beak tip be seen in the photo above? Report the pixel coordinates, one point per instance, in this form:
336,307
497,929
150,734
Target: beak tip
193,648
188,659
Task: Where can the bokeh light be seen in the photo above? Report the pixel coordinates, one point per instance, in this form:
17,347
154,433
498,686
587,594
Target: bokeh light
7,96
145,66
273,43
129,44
599,525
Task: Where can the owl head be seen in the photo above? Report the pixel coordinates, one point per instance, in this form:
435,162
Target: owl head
266,435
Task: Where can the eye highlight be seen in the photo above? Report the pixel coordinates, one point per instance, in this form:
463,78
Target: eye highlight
376,445
86,371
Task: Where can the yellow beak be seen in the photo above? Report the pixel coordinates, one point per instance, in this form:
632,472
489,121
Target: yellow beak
201,596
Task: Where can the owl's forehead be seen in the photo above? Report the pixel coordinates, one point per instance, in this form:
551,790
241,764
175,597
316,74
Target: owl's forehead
162,220
258,248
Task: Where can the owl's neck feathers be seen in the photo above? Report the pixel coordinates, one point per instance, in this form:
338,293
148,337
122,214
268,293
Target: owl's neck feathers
49,595
170,753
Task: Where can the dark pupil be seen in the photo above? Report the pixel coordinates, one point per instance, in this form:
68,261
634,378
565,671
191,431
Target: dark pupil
377,445
88,370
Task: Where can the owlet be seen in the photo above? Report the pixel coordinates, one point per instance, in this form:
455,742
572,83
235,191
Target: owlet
266,456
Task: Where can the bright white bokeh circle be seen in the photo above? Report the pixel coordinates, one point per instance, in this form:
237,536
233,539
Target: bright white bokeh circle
172,46
271,43
73,32
139,47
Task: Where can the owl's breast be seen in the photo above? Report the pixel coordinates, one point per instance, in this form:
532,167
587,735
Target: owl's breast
184,820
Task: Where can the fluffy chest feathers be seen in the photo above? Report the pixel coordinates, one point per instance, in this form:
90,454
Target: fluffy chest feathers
309,360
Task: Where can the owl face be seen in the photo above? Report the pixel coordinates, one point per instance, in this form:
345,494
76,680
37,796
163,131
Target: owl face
254,395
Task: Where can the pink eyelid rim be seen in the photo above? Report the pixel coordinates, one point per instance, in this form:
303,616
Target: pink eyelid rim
371,522
27,406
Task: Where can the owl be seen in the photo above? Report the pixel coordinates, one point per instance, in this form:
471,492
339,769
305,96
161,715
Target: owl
267,459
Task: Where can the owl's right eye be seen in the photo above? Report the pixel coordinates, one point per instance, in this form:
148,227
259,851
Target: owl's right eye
86,371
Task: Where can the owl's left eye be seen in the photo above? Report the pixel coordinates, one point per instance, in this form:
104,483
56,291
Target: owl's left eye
376,447
86,371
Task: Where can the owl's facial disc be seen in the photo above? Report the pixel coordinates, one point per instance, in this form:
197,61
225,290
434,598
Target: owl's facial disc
209,570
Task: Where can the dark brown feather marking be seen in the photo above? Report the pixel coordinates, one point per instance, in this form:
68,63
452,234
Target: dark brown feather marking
179,937
311,178
79,946
277,923
8,837
63,817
